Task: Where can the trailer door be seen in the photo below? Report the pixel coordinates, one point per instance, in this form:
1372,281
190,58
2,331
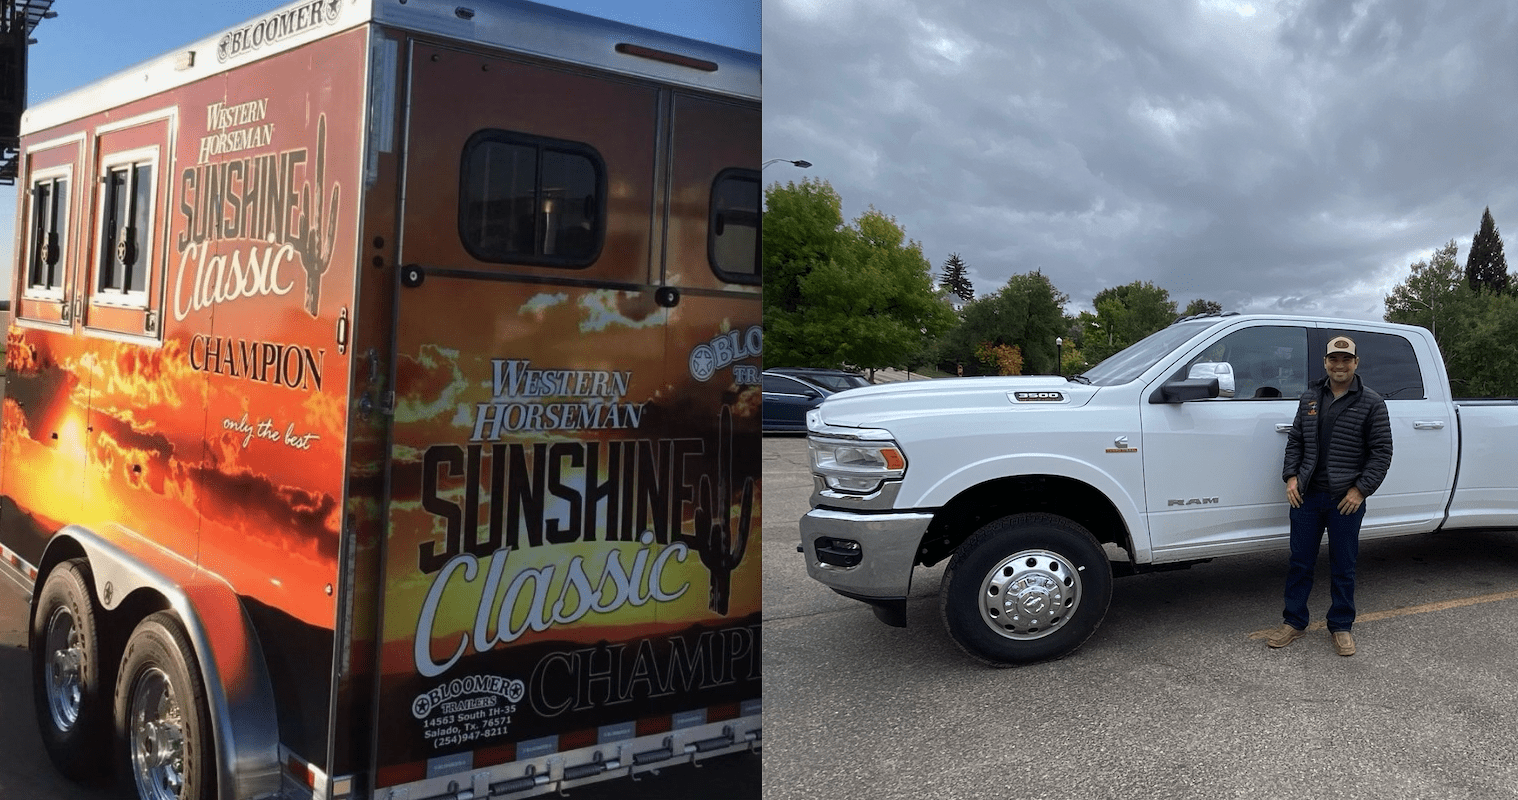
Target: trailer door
543,592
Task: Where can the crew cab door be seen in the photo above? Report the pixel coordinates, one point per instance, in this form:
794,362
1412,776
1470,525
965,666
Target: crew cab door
1212,468
1417,487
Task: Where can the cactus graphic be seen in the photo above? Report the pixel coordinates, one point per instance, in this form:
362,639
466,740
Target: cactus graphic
315,236
720,552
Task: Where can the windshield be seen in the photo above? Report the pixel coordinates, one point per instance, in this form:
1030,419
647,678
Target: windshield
1128,364
837,383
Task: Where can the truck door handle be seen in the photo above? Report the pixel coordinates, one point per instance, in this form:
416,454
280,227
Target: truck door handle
1283,427
1430,425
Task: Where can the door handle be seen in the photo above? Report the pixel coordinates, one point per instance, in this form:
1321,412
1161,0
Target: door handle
1429,425
1283,427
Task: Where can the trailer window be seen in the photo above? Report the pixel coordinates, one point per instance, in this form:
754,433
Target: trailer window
126,228
48,235
531,200
732,244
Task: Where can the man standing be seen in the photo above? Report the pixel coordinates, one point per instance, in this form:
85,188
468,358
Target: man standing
1337,454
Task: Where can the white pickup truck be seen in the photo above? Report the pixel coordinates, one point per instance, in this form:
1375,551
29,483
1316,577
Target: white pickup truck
1041,489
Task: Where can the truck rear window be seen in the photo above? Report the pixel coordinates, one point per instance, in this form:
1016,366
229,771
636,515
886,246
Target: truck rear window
1387,363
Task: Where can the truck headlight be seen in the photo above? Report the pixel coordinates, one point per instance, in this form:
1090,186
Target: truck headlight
857,466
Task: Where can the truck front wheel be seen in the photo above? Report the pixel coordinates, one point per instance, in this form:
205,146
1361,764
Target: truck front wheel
73,711
1024,588
161,713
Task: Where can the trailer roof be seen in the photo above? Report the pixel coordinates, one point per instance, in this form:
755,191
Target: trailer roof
512,25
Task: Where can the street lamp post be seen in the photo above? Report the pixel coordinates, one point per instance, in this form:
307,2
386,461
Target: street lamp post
798,162
1059,356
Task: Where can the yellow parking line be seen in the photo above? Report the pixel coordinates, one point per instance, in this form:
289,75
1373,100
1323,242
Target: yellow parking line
1402,612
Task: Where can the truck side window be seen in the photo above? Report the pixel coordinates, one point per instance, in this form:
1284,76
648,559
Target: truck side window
777,384
1269,363
126,228
531,200
1387,364
732,244
48,235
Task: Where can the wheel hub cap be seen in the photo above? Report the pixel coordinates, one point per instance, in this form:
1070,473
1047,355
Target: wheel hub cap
1030,594
157,737
65,670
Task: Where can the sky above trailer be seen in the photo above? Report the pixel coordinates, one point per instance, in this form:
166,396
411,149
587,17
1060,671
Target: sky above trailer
90,39
1284,157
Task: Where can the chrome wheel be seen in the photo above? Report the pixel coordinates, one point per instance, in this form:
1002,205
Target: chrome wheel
63,669
156,737
1030,594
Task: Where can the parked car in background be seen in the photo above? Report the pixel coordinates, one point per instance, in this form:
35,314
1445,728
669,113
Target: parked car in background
790,392
834,380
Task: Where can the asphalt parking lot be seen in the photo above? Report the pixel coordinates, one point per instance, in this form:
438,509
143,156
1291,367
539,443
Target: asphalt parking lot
1171,698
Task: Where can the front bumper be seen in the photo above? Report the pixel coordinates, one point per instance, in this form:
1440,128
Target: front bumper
888,548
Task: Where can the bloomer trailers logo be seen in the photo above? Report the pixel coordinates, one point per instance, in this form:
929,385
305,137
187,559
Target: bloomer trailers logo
468,708
725,348
277,27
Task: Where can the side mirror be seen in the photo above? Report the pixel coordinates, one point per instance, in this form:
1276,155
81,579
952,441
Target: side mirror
1222,370
1203,381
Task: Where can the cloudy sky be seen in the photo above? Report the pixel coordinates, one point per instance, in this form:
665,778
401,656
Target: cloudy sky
1291,157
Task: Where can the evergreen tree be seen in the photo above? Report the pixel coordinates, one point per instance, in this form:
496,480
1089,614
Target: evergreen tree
955,280
1486,267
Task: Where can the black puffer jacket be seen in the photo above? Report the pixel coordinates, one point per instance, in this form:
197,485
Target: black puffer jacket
1361,449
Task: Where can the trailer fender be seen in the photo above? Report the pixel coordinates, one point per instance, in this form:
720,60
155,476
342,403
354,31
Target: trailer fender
238,691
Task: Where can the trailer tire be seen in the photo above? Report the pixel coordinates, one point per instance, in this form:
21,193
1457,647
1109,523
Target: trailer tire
161,714
73,710
1025,588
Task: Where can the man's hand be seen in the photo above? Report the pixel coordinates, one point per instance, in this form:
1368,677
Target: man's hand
1292,495
1352,501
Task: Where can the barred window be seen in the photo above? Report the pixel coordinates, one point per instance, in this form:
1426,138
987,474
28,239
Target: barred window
125,229
46,262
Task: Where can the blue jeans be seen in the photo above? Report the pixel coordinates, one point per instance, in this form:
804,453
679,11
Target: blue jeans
1320,510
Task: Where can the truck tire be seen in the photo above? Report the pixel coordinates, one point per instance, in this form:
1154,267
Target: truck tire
1025,588
73,711
161,714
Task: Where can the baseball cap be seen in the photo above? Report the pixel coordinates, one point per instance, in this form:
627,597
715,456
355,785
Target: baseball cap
1341,344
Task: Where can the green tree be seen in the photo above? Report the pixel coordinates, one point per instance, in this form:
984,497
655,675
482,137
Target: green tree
1433,296
1124,315
1201,306
1477,331
1483,358
839,295
955,278
1028,312
1485,266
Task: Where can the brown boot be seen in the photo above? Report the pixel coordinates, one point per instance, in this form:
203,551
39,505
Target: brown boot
1344,643
1285,635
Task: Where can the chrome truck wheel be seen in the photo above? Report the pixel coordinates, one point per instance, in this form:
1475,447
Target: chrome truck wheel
161,714
1030,594
1026,587
71,708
